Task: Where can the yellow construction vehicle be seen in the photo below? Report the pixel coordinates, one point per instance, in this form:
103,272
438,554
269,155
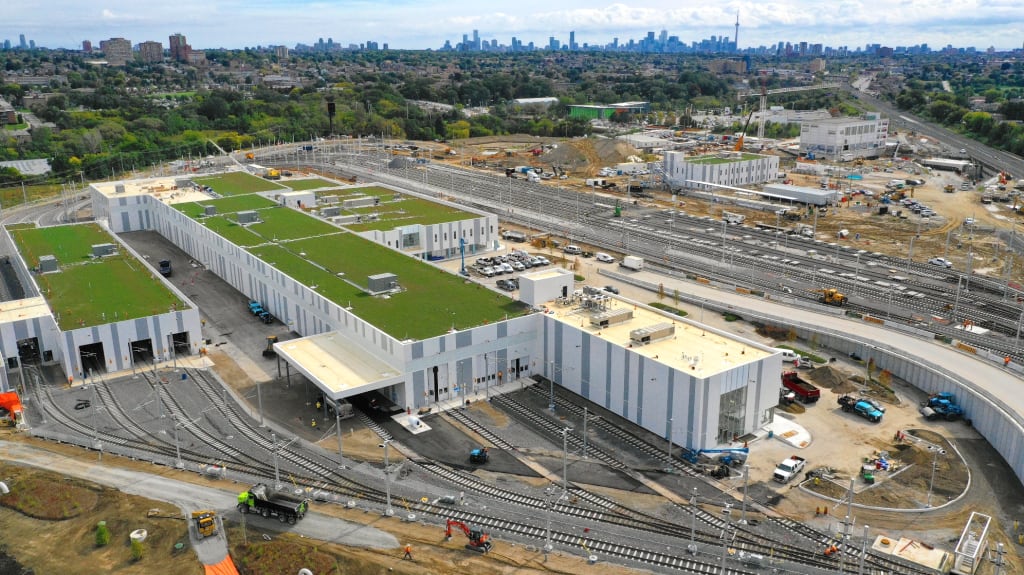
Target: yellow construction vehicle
205,522
272,174
250,156
831,296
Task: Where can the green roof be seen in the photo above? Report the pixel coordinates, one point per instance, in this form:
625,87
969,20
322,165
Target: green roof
338,263
396,209
310,184
235,183
743,157
92,291
227,205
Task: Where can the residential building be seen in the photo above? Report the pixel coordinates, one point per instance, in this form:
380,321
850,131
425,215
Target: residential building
117,51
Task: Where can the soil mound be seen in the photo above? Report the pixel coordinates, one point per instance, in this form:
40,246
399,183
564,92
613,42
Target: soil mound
832,378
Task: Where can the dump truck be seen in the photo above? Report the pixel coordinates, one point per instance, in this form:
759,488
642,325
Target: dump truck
862,408
831,296
260,499
789,468
804,390
205,523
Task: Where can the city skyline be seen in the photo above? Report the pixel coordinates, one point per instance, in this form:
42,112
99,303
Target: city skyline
429,24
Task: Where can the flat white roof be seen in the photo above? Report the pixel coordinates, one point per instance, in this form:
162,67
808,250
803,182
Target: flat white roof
163,189
337,365
693,348
22,309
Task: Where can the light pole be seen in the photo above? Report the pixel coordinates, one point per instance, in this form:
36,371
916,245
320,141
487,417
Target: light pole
388,511
551,401
547,529
931,482
693,525
277,470
565,459
746,479
585,417
337,425
669,446
863,552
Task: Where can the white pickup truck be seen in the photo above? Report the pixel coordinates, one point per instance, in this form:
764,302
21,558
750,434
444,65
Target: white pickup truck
789,469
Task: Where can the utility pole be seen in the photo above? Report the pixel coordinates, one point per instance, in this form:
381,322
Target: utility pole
388,511
565,460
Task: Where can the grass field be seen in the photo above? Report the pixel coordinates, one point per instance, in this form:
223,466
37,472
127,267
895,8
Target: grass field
226,205
14,195
432,302
235,183
311,184
89,291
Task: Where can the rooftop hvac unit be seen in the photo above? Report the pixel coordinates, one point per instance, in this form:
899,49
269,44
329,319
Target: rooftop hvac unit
248,217
48,264
381,283
360,202
209,210
346,219
652,333
329,200
330,212
611,317
100,250
118,188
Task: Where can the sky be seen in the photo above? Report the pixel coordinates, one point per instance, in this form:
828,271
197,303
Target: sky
422,24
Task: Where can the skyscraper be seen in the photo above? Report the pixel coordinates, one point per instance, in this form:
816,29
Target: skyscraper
572,40
180,50
21,41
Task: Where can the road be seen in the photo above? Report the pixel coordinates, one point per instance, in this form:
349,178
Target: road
991,159
191,497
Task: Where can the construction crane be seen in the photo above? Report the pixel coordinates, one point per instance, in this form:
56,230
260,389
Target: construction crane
739,141
763,93
478,540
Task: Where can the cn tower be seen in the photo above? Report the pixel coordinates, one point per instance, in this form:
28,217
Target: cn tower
736,39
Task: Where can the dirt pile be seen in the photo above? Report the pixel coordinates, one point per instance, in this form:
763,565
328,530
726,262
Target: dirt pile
588,155
832,378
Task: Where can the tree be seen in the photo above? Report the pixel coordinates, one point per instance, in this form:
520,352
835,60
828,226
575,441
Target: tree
102,534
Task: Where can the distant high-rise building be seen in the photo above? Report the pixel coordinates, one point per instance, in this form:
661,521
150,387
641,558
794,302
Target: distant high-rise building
117,51
151,52
21,41
180,50
281,52
572,40
87,46
32,44
476,39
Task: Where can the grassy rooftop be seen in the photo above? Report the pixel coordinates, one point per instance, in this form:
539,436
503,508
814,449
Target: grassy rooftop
310,184
432,302
235,183
226,205
712,159
396,209
92,291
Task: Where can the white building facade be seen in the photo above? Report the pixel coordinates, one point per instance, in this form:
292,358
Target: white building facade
843,139
725,169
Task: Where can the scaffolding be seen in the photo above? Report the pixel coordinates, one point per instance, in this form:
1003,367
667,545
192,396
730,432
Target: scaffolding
972,544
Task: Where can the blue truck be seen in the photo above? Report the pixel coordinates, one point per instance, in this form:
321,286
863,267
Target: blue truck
861,407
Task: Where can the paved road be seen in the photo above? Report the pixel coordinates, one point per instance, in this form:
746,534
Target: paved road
189,497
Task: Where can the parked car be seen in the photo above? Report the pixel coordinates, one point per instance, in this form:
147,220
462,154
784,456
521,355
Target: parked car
507,268
611,289
941,262
517,266
506,285
604,258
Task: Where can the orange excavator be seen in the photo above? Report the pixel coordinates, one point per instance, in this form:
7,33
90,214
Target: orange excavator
478,540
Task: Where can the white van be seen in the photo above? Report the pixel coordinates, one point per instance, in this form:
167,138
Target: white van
789,355
572,250
604,258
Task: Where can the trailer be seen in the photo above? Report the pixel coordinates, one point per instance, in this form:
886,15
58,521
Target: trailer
634,263
260,499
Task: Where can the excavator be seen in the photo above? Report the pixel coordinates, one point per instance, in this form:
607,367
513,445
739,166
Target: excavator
478,540
831,296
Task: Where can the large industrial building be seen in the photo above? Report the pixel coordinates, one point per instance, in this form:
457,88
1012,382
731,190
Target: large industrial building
372,315
721,169
844,139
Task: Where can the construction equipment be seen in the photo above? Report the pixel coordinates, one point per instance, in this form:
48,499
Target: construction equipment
942,405
478,540
860,407
11,411
949,188
250,156
734,456
739,141
272,174
269,351
260,499
479,455
831,296
205,522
